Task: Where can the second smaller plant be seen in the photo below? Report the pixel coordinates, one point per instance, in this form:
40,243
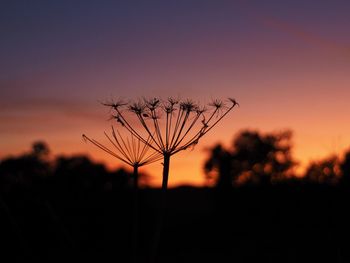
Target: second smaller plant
135,153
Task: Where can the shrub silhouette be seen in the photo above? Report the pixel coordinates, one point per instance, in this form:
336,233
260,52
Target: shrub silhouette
74,172
23,170
253,158
345,169
326,171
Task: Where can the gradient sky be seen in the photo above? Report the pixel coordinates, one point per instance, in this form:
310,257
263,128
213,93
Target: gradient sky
286,62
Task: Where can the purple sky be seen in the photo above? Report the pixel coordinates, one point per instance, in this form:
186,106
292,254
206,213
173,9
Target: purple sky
286,62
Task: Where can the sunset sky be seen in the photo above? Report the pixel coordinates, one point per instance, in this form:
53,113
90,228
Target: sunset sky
286,62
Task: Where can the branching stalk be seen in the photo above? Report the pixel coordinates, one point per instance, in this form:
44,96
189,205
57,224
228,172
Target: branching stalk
166,137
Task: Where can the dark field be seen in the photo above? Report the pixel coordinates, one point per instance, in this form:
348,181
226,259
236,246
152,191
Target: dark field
282,223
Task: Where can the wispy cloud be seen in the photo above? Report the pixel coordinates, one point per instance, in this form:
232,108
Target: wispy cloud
47,115
46,106
299,32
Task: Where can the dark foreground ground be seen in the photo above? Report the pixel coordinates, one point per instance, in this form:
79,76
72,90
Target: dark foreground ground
271,224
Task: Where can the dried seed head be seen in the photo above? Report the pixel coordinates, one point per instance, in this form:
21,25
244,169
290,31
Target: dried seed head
234,102
137,107
201,110
190,124
115,104
188,106
153,103
168,108
173,101
217,104
130,150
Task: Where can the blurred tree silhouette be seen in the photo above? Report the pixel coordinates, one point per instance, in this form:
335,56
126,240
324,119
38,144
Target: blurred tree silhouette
253,158
74,172
345,169
40,150
78,172
324,171
20,171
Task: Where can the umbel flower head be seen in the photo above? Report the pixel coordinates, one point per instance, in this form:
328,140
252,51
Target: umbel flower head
129,150
171,125
165,127
168,127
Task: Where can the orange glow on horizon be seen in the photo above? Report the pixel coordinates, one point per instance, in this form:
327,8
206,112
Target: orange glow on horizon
288,70
187,166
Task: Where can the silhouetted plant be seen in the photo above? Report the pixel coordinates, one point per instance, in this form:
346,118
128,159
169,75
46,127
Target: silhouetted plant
134,153
169,126
180,129
131,151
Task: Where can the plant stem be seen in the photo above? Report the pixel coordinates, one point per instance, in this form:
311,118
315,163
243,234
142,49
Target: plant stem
163,207
135,230
165,177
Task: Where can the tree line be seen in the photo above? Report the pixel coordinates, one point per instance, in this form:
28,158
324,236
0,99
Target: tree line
253,158
256,158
